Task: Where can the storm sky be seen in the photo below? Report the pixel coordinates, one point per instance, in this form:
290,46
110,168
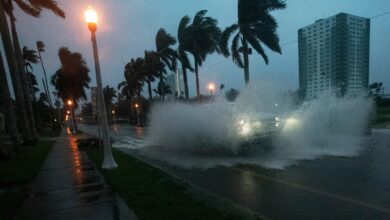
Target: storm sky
128,27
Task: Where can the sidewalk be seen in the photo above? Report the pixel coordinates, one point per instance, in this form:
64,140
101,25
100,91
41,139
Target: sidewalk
68,186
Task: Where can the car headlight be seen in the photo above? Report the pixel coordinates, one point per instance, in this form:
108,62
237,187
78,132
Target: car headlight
291,122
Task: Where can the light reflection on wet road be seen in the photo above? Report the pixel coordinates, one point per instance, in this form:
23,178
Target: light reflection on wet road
328,188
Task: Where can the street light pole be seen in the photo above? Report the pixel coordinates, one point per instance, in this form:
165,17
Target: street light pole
137,111
211,87
108,161
70,103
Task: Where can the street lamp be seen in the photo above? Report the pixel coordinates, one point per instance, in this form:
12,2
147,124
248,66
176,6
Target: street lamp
108,161
137,110
211,88
113,116
70,103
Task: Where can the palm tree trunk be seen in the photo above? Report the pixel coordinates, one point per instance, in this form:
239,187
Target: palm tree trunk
185,81
246,61
24,79
47,86
197,79
162,83
150,90
16,81
9,109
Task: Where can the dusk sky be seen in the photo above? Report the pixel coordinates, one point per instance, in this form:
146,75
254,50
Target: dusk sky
128,27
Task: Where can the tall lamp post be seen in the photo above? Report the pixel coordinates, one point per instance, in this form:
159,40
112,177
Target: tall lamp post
70,103
137,111
108,161
211,88
113,116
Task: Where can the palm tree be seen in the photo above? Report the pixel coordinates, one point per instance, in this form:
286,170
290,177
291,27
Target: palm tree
255,27
30,57
162,88
41,48
15,77
109,93
153,68
9,109
15,61
167,55
183,37
36,6
71,79
134,79
202,38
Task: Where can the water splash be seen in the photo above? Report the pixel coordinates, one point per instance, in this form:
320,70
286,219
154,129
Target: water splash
205,135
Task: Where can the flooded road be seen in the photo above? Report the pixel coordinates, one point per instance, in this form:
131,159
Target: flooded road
327,188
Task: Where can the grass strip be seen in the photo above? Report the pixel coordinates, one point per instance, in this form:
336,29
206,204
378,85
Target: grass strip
153,194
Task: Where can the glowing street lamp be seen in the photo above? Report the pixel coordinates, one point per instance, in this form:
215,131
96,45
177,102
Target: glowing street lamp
211,88
108,161
70,103
113,116
137,110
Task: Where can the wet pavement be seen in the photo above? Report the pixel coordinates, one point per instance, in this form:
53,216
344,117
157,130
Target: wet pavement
68,186
331,187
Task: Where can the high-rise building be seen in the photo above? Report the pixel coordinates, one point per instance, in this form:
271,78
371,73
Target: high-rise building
334,54
176,82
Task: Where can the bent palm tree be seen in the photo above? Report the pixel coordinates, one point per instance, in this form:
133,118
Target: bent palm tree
15,76
166,54
201,38
153,66
255,27
30,57
15,60
134,79
71,79
9,109
183,38
41,48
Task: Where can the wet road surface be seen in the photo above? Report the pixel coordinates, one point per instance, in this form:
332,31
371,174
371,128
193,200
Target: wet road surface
328,188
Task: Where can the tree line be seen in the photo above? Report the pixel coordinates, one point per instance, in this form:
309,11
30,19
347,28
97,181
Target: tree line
200,37
196,39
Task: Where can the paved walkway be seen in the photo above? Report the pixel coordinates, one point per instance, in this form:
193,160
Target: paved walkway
68,186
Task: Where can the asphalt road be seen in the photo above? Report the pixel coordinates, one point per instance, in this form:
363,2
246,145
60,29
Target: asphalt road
327,188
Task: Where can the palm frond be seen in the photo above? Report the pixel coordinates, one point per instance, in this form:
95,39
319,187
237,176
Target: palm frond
225,39
235,51
28,8
184,22
255,43
48,4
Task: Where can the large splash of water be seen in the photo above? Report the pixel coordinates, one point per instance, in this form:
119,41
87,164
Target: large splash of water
204,135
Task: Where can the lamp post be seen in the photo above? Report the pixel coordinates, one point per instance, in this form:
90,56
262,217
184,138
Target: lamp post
113,116
108,161
137,111
211,88
70,104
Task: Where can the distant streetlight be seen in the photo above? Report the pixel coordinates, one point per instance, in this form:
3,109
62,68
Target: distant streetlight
211,88
137,111
113,116
108,161
70,103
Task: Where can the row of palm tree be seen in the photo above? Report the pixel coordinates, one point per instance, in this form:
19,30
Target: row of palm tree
200,37
18,72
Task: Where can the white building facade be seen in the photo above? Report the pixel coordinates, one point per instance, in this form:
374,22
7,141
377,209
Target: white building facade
176,83
334,54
